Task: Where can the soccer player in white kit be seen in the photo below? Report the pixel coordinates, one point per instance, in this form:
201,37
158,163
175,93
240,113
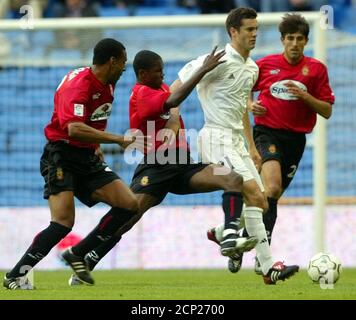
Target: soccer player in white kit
223,94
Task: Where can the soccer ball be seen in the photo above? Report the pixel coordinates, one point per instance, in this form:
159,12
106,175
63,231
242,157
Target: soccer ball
324,268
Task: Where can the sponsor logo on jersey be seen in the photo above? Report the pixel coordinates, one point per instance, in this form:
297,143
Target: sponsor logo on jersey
102,113
274,71
280,91
145,181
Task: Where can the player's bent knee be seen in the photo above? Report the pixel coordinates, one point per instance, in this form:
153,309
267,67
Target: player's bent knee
234,182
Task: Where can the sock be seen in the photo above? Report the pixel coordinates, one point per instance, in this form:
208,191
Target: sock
219,231
255,227
269,218
107,227
40,247
232,206
94,256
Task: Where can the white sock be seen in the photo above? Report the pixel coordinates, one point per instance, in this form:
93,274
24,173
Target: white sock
255,227
219,232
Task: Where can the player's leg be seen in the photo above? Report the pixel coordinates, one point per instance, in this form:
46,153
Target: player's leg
269,145
145,202
271,174
150,186
124,207
207,180
62,220
58,190
272,272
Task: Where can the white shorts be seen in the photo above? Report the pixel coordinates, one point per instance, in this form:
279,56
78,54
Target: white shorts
227,147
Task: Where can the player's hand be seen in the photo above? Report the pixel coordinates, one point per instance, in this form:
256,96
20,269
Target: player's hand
257,109
99,153
168,136
213,60
256,158
295,91
136,140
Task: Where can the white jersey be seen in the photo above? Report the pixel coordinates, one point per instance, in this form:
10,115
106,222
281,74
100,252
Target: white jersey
223,92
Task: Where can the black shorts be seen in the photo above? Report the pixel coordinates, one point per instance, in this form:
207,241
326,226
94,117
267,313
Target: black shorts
159,179
68,168
284,146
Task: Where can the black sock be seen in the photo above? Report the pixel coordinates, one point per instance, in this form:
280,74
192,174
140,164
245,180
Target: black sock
94,256
232,206
40,247
269,218
107,227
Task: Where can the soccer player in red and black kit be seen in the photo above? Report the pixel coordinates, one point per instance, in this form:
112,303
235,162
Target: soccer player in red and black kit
293,90
169,167
71,164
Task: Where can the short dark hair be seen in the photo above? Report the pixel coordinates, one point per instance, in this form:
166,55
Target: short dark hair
107,48
234,19
145,59
292,23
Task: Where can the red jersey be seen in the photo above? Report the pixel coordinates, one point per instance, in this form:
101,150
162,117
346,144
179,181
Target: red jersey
80,97
147,114
284,111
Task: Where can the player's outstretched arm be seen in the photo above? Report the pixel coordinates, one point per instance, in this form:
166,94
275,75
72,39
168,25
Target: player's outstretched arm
210,62
82,132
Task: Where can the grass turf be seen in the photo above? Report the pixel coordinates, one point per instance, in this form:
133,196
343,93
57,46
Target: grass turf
182,285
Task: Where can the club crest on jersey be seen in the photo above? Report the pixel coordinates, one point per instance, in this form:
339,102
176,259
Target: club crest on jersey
145,181
102,113
305,71
280,91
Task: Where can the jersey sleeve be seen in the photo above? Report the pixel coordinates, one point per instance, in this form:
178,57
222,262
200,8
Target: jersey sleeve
191,67
321,88
256,86
150,103
72,104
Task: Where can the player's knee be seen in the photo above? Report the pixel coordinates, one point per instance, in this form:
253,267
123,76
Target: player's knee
234,182
132,205
274,190
256,199
265,205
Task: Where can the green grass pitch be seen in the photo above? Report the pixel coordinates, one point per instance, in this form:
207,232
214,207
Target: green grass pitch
182,285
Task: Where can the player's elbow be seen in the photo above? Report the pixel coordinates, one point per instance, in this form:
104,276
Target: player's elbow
74,129
327,114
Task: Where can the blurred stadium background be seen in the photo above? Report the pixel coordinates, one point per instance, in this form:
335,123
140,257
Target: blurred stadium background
33,62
